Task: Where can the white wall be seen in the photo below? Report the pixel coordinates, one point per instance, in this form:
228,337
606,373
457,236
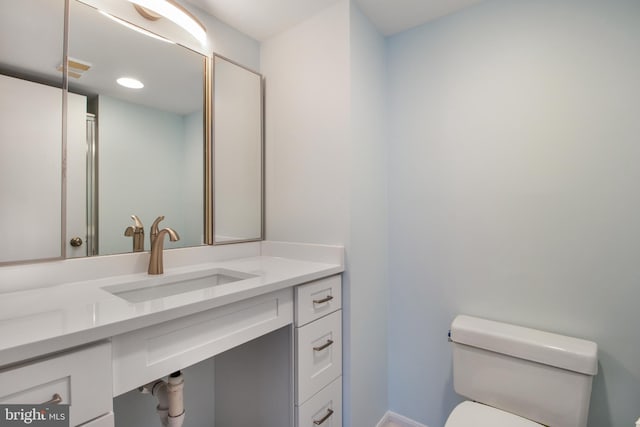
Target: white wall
326,174
254,383
514,190
307,129
227,41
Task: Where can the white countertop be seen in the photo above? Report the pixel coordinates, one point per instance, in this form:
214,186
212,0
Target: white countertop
35,322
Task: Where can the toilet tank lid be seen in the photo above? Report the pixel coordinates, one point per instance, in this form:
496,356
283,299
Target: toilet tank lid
564,352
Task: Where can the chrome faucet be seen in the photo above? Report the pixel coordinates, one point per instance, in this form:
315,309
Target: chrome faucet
137,232
155,261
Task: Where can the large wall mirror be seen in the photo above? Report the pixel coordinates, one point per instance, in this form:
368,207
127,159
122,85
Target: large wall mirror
149,139
238,153
128,151
81,154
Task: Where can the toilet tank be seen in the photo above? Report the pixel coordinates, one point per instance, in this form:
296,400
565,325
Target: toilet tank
538,375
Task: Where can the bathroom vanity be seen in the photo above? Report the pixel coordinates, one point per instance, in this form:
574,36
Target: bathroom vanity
89,341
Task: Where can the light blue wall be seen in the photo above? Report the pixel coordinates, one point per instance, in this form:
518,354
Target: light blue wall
142,148
192,180
514,190
366,281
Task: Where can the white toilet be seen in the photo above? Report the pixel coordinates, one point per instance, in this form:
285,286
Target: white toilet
519,377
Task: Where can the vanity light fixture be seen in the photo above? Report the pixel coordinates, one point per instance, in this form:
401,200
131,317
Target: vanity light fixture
177,14
130,83
135,28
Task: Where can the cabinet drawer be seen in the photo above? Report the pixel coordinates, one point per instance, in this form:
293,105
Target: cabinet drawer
318,355
324,409
317,299
144,355
82,378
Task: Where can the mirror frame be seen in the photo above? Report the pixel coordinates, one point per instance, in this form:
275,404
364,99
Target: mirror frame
210,203
208,154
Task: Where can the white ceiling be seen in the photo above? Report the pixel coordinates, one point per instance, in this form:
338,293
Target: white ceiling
262,19
394,16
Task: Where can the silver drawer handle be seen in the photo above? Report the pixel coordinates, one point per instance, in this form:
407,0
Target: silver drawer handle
55,399
323,300
323,346
323,419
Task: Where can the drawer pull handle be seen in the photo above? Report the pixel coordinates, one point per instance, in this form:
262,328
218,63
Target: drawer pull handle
323,346
55,399
325,418
323,300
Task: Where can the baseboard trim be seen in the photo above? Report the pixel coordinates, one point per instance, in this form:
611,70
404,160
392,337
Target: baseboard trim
391,419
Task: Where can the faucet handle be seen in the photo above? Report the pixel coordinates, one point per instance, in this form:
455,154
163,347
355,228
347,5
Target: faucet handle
137,232
136,229
136,220
154,228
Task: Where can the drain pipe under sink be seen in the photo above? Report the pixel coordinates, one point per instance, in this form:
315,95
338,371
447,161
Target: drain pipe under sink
170,407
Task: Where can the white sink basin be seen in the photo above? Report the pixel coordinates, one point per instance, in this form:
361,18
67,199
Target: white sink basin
154,287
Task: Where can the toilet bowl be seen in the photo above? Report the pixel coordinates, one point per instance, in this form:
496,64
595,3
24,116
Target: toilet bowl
519,377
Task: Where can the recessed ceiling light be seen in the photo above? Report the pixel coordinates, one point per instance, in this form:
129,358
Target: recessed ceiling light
130,83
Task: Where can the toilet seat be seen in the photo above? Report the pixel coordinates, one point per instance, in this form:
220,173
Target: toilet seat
479,415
